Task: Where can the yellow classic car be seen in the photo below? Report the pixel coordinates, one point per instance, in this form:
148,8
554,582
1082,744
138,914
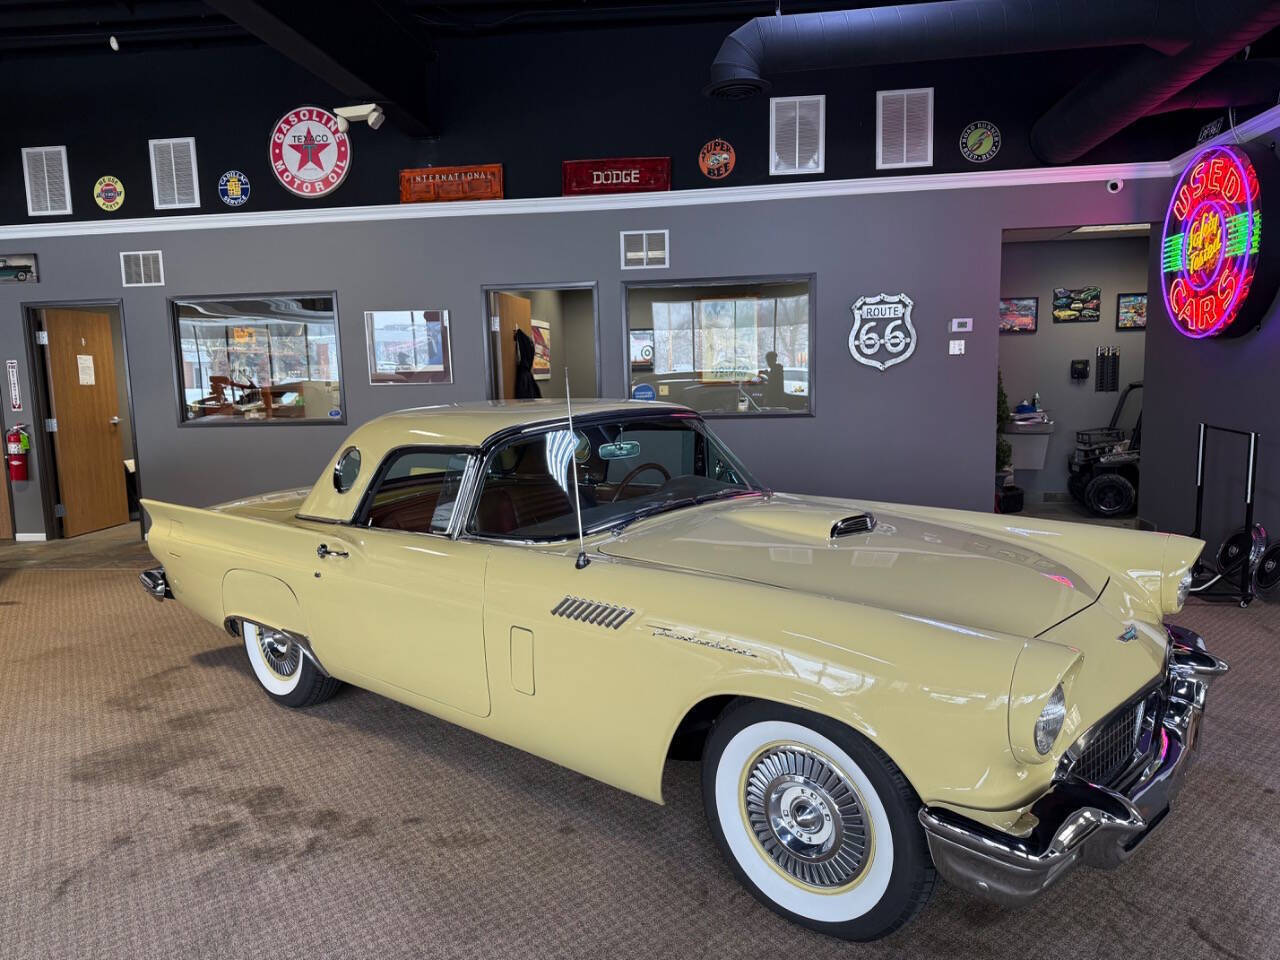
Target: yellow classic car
878,693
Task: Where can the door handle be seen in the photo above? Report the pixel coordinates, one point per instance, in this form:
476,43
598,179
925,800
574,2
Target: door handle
323,551
114,421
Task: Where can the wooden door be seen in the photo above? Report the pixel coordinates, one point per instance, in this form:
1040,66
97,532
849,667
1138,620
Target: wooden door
513,312
82,384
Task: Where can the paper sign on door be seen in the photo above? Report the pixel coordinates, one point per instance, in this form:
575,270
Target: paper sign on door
15,397
84,364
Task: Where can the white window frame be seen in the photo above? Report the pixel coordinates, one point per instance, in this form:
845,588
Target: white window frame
822,134
195,173
66,181
126,253
880,95
622,249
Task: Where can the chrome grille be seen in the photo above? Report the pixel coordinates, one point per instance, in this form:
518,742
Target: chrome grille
1109,751
593,612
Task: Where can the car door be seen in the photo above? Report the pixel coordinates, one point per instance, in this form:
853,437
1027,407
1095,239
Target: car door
395,600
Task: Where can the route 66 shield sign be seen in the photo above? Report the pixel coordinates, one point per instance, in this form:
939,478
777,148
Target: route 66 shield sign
882,333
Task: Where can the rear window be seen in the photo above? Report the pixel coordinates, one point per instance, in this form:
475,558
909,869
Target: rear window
417,491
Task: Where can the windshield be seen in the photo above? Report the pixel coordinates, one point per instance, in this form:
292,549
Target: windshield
627,468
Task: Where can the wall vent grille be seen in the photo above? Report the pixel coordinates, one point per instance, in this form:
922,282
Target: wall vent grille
797,135
590,611
48,187
174,177
142,268
642,249
904,128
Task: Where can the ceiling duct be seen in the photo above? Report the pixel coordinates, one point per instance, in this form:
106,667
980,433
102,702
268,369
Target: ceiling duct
1237,83
944,30
1177,42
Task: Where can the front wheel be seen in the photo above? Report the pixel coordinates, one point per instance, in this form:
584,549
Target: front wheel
284,672
815,821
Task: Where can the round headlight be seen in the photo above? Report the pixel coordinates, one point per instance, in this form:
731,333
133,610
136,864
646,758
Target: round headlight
1049,725
1184,587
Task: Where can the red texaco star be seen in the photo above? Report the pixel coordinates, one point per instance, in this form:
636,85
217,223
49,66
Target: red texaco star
309,150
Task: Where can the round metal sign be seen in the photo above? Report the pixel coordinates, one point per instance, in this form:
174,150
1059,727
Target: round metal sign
310,156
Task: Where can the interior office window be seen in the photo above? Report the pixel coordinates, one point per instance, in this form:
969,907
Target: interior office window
727,349
258,360
408,346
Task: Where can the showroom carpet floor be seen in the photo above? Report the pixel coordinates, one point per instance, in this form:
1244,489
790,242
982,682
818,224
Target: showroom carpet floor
154,804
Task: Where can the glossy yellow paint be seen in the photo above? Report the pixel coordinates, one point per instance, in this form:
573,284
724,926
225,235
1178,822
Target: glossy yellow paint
938,635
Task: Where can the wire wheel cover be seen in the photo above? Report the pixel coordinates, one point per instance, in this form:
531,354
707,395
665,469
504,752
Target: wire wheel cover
807,816
281,654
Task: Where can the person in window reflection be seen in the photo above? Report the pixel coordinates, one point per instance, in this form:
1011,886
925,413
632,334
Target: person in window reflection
775,392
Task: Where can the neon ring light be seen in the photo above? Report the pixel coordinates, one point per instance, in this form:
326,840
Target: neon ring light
1211,241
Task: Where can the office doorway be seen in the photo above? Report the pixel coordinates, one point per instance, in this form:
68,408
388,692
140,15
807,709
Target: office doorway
87,444
535,334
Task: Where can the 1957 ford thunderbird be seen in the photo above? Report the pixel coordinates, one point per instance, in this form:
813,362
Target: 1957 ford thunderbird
878,693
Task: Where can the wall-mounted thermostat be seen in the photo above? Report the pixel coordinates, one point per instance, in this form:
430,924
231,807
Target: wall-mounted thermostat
962,325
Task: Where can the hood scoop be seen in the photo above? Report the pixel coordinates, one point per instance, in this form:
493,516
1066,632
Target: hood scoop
858,523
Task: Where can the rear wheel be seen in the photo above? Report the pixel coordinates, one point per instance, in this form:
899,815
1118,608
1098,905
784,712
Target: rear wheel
1110,495
815,821
284,672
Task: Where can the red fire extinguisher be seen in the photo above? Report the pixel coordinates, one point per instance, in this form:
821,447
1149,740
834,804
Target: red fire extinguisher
16,446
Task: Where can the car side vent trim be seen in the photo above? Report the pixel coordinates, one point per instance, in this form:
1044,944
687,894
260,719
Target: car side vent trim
858,523
590,611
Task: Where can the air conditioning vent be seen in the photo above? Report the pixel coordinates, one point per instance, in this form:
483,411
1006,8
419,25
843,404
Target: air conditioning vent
644,249
589,611
142,268
904,128
858,523
174,177
798,135
48,187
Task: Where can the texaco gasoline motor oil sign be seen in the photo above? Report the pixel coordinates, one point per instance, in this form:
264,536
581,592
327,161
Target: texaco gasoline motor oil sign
309,155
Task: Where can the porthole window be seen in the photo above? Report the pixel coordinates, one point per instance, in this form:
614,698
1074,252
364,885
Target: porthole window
348,468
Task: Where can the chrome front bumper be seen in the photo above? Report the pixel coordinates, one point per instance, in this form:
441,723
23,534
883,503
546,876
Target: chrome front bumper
1080,822
155,583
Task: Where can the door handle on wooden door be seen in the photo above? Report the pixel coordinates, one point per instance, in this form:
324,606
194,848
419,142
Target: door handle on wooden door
114,421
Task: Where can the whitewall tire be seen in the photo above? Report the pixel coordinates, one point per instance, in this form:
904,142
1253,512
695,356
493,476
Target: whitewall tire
282,669
815,820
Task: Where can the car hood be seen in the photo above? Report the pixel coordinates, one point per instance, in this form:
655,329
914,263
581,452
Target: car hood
942,571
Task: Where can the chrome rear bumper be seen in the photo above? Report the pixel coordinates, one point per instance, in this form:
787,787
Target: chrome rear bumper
155,583
1080,822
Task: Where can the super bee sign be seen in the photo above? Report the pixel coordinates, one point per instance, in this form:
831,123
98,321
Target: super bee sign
882,333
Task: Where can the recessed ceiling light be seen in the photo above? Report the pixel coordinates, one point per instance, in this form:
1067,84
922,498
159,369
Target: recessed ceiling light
114,44
1112,228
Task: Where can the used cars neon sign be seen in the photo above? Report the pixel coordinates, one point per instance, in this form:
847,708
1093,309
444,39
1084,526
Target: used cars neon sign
1212,273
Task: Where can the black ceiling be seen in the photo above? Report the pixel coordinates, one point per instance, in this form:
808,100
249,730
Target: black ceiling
52,27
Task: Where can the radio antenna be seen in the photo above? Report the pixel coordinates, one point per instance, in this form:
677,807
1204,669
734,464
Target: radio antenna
582,560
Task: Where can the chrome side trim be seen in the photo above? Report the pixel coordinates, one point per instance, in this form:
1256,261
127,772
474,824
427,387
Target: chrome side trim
232,626
1079,822
592,612
156,583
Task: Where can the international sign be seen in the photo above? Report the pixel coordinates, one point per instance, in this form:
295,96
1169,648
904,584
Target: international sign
438,184
1216,276
616,175
882,333
310,156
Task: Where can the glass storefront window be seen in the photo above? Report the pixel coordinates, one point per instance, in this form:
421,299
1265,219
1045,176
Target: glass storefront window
251,360
729,349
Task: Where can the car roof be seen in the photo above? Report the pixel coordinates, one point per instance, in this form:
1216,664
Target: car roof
448,425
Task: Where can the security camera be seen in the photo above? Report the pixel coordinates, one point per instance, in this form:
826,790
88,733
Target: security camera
369,113
1115,186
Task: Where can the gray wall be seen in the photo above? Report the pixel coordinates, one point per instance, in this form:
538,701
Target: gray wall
1230,383
1041,361
923,431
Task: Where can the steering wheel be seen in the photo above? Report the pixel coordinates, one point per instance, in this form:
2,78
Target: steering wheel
635,473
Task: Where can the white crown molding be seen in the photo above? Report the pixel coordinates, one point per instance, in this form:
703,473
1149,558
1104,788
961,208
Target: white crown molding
636,201
1251,129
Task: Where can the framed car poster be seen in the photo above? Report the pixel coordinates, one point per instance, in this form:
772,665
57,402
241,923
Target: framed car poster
1019,314
541,334
1131,311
